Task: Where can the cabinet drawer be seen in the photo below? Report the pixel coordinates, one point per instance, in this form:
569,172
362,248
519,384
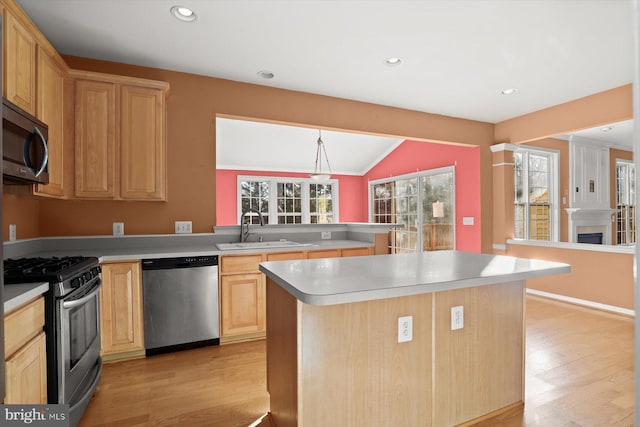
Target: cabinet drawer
240,263
327,253
356,252
285,256
21,325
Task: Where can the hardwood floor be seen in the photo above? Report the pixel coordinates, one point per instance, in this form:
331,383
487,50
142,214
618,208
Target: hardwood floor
579,373
579,369
211,386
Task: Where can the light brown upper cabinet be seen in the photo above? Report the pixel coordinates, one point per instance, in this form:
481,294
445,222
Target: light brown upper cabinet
34,77
19,63
95,139
120,141
142,151
50,109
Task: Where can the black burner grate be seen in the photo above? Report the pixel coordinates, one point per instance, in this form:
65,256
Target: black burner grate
51,269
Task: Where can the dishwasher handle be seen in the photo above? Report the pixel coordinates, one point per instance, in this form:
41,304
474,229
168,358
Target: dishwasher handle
179,262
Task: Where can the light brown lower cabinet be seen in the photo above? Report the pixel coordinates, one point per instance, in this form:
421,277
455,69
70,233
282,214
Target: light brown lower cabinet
26,355
121,318
242,305
27,373
243,291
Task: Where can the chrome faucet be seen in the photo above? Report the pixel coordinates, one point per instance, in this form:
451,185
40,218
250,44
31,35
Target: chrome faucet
245,233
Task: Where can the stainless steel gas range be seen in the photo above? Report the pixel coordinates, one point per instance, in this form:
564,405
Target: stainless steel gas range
72,324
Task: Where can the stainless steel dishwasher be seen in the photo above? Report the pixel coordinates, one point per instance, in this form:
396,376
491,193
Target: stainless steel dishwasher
180,303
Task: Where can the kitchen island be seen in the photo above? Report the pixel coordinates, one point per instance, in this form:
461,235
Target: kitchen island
334,326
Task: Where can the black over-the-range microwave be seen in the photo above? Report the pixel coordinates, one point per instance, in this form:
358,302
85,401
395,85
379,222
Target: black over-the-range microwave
25,155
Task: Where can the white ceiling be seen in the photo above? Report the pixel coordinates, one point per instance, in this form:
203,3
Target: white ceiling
457,57
458,54
620,135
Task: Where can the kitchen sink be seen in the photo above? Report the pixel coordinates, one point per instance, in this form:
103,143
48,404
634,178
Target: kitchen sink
260,245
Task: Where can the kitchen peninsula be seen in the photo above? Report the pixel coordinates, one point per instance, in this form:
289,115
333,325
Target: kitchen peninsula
335,326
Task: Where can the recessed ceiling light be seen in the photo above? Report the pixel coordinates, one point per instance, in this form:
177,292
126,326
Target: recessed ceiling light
394,60
265,74
183,13
606,128
509,91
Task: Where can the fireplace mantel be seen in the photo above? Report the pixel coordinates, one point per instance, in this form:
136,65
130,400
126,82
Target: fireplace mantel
590,220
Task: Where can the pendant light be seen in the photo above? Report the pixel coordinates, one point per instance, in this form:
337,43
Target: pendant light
318,173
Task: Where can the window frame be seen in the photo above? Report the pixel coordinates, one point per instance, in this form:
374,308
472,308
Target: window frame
418,175
273,196
553,158
629,230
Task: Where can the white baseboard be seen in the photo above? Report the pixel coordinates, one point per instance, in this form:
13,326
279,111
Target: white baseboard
586,303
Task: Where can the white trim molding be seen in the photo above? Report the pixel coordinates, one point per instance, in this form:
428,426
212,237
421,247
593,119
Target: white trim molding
496,148
620,249
583,302
500,247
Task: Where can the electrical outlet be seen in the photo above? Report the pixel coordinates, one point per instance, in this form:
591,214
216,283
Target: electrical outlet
405,328
183,227
12,232
457,317
325,235
118,228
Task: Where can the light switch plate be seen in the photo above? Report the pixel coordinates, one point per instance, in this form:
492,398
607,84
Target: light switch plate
118,228
183,227
326,235
468,220
12,232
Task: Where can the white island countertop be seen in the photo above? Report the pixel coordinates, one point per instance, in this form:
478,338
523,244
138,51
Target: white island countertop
345,280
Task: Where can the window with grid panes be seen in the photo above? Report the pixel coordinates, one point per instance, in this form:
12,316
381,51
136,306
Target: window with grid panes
535,173
409,200
255,195
625,202
289,200
320,203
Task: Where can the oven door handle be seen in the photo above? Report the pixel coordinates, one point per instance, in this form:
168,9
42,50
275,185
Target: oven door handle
67,305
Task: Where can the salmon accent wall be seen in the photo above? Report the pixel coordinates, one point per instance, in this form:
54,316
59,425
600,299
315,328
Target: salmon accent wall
192,107
412,156
601,277
408,157
351,206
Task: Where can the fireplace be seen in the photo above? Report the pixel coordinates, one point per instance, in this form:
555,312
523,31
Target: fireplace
590,225
592,238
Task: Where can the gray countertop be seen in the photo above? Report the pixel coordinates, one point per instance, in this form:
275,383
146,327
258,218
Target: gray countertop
124,253
344,280
19,294
16,295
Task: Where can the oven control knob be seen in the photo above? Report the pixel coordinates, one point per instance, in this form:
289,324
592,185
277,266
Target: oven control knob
76,282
